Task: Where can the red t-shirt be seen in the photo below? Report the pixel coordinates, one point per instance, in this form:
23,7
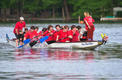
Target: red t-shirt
30,34
70,33
50,34
75,37
19,26
55,35
89,20
63,36
40,33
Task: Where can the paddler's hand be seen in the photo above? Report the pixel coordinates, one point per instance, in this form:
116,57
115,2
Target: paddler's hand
70,37
17,33
89,27
56,39
51,33
40,37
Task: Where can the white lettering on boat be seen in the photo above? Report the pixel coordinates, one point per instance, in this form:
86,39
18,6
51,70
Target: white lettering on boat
86,43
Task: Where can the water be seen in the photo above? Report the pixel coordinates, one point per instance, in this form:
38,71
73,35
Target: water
104,63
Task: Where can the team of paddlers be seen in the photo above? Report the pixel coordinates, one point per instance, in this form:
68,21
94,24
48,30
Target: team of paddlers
58,34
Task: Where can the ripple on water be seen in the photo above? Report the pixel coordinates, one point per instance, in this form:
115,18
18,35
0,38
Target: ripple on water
59,64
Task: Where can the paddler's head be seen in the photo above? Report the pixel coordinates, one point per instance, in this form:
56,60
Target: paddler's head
62,27
86,14
36,29
50,28
58,27
73,28
66,28
79,28
32,28
26,30
21,19
44,29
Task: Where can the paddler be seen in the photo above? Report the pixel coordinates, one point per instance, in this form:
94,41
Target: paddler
19,27
31,34
89,26
74,34
49,32
62,35
58,28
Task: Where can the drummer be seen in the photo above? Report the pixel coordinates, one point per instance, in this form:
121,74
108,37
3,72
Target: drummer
89,26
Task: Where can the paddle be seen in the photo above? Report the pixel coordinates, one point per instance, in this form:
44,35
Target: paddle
33,43
25,42
50,42
7,38
41,41
102,35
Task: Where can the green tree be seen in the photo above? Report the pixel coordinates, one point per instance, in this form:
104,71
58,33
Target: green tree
96,8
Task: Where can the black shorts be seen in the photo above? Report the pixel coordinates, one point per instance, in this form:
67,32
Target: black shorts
17,36
20,37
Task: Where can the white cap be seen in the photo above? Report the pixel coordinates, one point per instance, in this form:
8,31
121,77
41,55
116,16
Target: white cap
22,18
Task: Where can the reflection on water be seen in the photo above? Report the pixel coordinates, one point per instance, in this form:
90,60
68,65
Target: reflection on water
57,64
53,54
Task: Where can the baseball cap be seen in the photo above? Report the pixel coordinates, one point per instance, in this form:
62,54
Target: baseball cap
21,18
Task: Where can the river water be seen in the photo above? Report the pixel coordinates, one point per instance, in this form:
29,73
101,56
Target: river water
103,63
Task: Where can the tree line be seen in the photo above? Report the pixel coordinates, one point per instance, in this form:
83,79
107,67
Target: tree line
64,9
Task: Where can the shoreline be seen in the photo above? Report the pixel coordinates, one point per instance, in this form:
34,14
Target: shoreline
39,22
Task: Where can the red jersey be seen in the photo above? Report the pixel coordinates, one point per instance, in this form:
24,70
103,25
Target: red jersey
40,33
19,26
30,34
50,34
55,35
89,20
75,37
70,33
63,36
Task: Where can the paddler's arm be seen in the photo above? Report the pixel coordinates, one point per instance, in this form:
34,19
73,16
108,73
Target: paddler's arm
16,31
24,25
24,38
87,24
70,36
57,37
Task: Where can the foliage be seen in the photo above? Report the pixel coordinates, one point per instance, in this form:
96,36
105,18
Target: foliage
97,8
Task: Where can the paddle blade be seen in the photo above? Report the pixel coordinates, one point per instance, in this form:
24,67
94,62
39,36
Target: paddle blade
43,39
21,46
50,42
7,36
102,35
26,41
